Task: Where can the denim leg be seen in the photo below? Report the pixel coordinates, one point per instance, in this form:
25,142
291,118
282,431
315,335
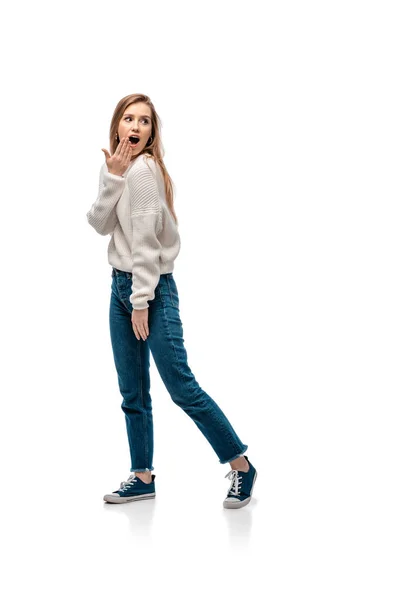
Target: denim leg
132,362
167,347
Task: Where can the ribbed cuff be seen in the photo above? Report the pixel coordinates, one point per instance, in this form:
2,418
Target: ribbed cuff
141,306
113,178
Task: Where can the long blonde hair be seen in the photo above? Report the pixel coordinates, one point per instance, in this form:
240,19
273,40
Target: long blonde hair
155,149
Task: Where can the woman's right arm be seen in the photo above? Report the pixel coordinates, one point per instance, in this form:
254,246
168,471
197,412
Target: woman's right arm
102,216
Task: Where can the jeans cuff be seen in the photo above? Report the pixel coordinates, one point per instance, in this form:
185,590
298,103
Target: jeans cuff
223,462
141,470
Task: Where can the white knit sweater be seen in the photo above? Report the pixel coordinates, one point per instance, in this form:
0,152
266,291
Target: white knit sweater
145,239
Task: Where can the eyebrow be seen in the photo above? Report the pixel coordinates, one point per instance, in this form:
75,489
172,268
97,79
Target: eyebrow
130,115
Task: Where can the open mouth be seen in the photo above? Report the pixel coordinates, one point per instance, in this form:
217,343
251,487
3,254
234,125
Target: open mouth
134,140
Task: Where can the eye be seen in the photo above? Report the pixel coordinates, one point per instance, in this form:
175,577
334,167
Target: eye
145,120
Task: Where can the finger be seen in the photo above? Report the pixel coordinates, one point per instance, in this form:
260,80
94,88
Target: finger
139,332
121,147
128,152
128,148
134,327
106,153
142,332
117,149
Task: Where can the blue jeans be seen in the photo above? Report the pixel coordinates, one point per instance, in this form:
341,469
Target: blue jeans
132,362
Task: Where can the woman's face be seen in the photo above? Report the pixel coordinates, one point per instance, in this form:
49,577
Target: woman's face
136,121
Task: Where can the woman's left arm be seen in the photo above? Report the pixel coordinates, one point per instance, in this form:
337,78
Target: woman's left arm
145,210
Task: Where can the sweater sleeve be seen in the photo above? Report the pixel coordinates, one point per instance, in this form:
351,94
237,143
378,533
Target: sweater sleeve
146,248
102,216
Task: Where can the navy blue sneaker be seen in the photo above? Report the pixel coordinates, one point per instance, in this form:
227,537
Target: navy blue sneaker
132,489
241,488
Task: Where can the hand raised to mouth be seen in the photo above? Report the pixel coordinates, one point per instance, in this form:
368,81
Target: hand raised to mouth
120,160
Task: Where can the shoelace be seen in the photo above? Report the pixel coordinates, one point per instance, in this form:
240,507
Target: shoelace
126,484
234,488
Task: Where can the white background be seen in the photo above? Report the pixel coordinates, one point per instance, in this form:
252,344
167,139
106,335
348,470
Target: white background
280,122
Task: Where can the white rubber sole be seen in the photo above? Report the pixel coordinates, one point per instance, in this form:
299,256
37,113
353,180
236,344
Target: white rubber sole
123,499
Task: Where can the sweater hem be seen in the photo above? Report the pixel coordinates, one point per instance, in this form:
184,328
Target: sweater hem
124,263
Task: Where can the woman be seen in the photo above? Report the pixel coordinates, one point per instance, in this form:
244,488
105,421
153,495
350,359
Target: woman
135,206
